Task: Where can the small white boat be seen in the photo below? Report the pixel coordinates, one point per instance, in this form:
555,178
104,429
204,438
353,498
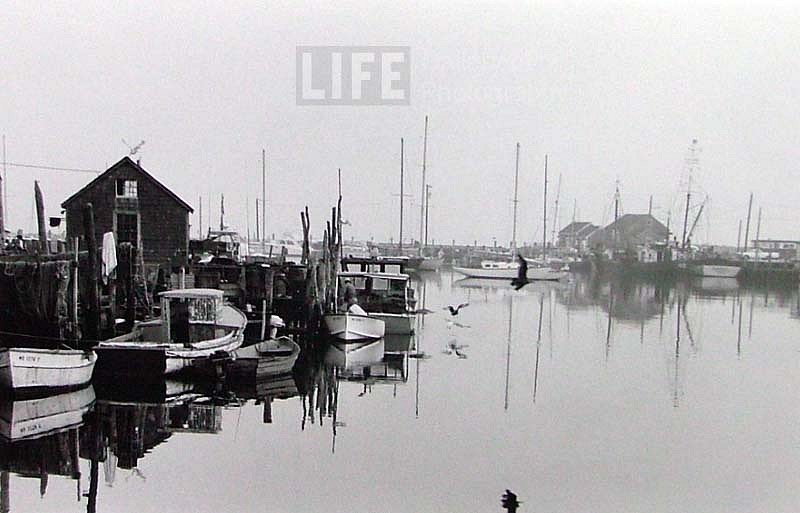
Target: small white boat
195,325
266,358
355,325
35,418
717,271
30,368
508,271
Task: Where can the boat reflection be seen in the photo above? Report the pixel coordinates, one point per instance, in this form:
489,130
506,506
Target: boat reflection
40,438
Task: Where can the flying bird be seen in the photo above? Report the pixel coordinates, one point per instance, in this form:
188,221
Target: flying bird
451,323
133,149
522,274
455,347
455,309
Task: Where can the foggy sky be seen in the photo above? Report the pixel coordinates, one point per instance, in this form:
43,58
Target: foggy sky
610,91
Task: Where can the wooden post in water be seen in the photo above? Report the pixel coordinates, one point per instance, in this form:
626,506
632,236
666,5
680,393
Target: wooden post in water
44,247
130,299
92,294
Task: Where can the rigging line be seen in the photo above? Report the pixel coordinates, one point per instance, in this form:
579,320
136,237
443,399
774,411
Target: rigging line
53,168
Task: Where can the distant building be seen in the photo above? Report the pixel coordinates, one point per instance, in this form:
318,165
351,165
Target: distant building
130,202
785,249
629,233
575,235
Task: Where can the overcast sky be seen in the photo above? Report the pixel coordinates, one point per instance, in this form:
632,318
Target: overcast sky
610,91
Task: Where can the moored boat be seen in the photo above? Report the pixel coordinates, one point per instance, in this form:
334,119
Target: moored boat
354,325
37,369
195,326
385,296
508,271
269,357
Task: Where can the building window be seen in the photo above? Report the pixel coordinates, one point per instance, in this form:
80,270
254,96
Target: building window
127,189
127,228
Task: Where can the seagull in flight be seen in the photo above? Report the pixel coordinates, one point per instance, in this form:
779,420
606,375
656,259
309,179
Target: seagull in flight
455,309
522,274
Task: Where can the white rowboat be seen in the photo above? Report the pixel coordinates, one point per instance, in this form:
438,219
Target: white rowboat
30,368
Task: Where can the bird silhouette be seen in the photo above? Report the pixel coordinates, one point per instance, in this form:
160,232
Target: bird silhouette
455,309
522,274
133,149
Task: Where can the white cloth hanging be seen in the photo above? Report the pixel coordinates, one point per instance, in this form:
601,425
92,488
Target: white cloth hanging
109,255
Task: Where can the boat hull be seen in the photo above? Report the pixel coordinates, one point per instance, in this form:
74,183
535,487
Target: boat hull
718,271
396,324
541,274
353,327
31,369
267,358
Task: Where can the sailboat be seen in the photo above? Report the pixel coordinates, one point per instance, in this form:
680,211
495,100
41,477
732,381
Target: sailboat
423,262
507,270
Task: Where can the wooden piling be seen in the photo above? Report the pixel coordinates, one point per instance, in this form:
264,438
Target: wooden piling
130,291
44,247
92,323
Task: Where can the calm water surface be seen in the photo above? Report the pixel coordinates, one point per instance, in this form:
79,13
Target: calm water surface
585,396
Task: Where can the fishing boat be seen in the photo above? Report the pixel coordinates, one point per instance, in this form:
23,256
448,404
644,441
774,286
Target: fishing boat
33,369
195,325
384,296
354,325
35,418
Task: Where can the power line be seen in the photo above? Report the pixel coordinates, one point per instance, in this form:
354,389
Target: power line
53,168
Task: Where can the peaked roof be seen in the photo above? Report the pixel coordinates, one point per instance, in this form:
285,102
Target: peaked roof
126,161
630,228
575,228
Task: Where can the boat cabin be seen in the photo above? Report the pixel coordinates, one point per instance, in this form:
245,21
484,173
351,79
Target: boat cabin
493,264
192,315
396,265
379,292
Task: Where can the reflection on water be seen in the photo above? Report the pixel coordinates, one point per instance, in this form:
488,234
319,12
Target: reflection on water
586,395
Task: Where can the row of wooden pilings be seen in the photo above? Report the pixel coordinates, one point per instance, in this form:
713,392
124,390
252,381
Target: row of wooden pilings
323,271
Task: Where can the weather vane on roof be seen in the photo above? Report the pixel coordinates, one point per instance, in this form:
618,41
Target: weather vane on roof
133,149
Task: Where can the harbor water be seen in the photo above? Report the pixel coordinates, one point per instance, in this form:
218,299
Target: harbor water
582,396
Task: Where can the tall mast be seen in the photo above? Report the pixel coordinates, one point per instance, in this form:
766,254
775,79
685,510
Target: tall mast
544,219
555,211
691,162
514,225
422,207
264,193
200,215
402,158
747,226
427,204
258,231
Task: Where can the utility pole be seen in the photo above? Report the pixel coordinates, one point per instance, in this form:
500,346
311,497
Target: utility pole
221,212
747,226
422,207
514,224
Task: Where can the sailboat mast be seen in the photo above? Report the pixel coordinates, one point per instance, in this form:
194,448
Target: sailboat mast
263,193
402,158
555,210
422,207
516,188
544,220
